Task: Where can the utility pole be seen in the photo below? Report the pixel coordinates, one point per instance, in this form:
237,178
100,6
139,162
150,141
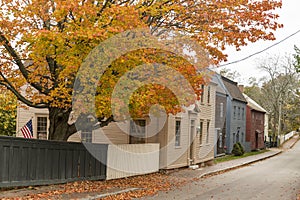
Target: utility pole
279,118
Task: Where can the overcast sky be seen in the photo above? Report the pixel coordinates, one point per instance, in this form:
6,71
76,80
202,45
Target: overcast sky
289,17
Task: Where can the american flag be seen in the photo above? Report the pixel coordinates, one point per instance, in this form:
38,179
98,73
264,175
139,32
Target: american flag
27,130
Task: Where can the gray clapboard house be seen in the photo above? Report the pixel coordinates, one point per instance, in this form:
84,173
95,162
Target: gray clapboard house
235,113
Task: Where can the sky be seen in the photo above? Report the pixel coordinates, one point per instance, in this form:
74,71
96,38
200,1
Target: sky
289,17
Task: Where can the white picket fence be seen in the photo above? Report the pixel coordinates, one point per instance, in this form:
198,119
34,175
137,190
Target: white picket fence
286,137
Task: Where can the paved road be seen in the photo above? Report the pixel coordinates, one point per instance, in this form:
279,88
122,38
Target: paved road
277,178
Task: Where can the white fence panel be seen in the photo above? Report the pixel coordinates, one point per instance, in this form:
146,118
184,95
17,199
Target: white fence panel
125,160
286,137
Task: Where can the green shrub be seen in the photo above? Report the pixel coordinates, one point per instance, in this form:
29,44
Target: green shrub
241,147
238,149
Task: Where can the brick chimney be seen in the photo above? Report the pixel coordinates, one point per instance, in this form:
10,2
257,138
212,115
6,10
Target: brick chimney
241,87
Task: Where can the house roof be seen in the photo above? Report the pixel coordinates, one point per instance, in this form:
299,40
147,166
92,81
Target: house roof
219,88
233,89
253,105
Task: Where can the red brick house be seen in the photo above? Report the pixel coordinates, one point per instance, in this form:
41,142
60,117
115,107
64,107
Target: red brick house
255,120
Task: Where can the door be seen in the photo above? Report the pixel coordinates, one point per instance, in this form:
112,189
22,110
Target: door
220,142
192,143
256,139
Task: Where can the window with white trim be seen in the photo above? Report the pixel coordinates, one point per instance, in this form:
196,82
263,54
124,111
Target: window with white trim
234,112
42,128
86,136
202,94
177,132
221,110
208,94
137,131
200,132
207,131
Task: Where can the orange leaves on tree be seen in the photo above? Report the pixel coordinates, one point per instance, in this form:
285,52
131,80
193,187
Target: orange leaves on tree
44,42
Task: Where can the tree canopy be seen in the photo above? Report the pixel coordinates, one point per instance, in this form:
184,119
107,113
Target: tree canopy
44,42
8,112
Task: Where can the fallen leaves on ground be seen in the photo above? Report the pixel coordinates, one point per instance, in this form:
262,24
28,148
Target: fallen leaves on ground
148,185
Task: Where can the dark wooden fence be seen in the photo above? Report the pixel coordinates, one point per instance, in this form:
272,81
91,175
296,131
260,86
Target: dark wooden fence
25,162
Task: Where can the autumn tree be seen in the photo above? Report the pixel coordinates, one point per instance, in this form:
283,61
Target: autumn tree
44,42
8,112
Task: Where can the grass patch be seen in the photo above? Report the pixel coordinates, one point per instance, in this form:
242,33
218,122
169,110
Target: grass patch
232,157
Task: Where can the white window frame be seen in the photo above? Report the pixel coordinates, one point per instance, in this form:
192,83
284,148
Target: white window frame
140,138
207,131
177,132
36,128
221,110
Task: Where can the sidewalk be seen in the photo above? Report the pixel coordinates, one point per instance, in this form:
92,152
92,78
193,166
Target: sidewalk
290,143
180,174
225,166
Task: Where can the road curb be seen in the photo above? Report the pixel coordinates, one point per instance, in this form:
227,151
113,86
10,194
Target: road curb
295,143
97,196
237,166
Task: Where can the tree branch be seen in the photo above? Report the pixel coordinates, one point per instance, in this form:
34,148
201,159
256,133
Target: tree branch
20,97
20,64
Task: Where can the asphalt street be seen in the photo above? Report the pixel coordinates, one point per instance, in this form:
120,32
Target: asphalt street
277,178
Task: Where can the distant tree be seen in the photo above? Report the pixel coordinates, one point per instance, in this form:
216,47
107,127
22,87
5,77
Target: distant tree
297,58
278,92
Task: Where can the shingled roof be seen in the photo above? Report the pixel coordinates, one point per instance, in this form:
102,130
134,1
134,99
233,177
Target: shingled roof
233,89
253,105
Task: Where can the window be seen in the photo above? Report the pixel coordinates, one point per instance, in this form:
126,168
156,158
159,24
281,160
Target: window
239,113
177,132
208,94
207,132
202,94
234,112
233,138
137,131
220,135
242,140
243,113
42,128
200,132
86,136
238,134
221,110
192,129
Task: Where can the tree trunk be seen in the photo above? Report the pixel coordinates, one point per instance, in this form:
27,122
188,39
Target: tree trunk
59,128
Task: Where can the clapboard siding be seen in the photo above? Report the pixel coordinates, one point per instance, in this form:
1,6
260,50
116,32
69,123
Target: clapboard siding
170,155
177,155
111,134
205,151
25,113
